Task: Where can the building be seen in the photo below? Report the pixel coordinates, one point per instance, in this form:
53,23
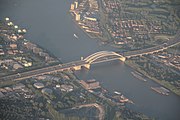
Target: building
10,52
77,16
93,4
72,6
43,54
90,18
76,4
17,66
30,45
66,88
48,58
46,91
18,86
13,46
1,52
58,86
41,77
8,89
37,50
38,85
1,95
90,84
3,90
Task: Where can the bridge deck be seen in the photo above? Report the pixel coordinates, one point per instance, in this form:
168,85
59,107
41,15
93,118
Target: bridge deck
45,70
69,65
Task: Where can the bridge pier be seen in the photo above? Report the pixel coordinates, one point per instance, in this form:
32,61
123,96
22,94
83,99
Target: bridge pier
122,59
87,66
77,68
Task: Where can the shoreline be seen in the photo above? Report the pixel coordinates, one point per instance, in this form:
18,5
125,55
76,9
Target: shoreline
131,65
144,74
88,34
81,27
138,76
161,90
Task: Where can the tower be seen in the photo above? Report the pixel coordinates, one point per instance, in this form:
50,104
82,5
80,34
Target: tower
72,6
77,16
76,4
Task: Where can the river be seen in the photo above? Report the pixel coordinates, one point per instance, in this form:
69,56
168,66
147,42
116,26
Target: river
50,25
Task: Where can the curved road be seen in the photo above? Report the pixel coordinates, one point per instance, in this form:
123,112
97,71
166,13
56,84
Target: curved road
99,107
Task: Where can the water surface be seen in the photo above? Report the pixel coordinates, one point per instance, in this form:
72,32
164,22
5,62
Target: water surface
50,25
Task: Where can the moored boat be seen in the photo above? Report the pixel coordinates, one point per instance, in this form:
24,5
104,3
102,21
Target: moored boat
76,36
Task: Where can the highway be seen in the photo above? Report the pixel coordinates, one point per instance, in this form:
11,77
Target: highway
41,71
71,65
151,50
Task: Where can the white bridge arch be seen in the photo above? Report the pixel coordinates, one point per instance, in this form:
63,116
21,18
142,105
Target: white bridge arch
98,55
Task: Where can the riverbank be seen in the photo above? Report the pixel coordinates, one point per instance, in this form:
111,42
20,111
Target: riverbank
138,75
92,36
17,53
160,82
161,90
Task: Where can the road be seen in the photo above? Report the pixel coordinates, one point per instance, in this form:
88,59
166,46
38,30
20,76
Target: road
61,67
170,43
41,71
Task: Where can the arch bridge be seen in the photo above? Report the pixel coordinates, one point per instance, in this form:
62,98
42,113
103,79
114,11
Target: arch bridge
103,56
99,57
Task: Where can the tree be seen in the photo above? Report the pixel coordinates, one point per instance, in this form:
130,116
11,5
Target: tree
41,105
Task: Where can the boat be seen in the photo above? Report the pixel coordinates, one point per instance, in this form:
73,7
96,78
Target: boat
118,93
161,90
139,76
75,36
124,100
166,90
